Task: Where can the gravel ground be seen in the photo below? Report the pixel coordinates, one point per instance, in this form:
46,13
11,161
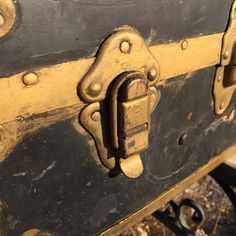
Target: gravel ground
220,215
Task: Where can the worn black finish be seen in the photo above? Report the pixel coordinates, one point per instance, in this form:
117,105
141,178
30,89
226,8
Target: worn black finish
51,31
76,197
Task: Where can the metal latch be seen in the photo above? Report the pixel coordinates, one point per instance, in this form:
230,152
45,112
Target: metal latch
120,87
225,79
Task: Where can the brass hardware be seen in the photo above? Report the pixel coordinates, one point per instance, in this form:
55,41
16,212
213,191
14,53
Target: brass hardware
60,94
132,167
184,45
225,78
127,70
30,79
99,130
96,116
130,114
125,50
7,16
152,74
125,47
94,119
18,101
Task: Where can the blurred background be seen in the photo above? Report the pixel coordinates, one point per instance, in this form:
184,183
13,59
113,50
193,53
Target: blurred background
220,214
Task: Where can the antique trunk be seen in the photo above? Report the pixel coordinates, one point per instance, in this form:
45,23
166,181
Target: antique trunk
109,108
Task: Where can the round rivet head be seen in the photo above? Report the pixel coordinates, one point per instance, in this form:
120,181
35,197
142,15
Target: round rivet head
152,74
2,20
94,89
219,78
125,47
226,54
184,45
30,79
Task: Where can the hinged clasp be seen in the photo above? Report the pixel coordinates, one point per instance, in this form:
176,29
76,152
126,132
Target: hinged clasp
225,79
120,89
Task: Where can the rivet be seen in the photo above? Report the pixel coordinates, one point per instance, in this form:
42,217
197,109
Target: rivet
184,45
222,105
2,20
226,54
125,47
96,116
94,89
219,78
30,79
152,74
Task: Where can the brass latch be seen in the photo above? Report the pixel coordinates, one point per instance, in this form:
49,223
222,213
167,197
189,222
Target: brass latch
225,79
120,89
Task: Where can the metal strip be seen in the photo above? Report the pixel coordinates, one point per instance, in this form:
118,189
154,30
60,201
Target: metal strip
49,88
167,196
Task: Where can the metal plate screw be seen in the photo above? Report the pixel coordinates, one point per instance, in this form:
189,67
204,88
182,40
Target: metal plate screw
94,89
125,47
152,74
184,45
30,79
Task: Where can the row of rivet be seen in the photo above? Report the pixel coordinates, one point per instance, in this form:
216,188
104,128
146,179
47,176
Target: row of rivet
30,79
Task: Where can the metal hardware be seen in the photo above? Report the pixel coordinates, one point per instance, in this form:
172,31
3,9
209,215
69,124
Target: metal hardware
225,78
174,218
127,72
184,45
99,130
35,232
30,79
31,232
130,115
125,50
7,16
62,79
